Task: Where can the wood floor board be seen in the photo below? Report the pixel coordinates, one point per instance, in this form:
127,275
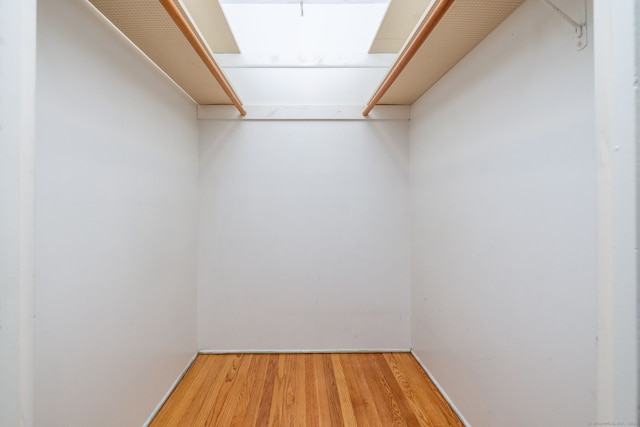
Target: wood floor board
362,381
333,395
209,392
227,409
299,393
417,404
184,388
247,401
348,413
328,412
306,390
267,391
383,403
429,399
394,387
311,393
251,397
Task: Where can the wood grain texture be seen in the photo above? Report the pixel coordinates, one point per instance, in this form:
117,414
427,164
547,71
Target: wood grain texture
359,389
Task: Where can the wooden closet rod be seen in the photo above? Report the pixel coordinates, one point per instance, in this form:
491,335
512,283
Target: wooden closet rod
203,53
409,51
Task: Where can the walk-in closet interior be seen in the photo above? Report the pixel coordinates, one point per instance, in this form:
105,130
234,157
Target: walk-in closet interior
449,178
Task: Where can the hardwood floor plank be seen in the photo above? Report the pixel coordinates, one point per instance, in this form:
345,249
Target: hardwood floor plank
226,407
410,394
288,397
211,394
312,388
361,407
344,396
315,390
335,406
246,411
201,391
398,419
362,382
395,388
173,409
383,401
325,412
262,418
300,390
275,414
421,389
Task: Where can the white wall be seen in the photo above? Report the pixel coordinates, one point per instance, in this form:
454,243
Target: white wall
116,173
304,235
503,192
17,114
616,84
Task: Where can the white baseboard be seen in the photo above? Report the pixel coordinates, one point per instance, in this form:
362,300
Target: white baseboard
304,351
168,393
442,392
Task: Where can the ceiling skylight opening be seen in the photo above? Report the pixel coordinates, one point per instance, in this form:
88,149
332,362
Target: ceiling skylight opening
310,27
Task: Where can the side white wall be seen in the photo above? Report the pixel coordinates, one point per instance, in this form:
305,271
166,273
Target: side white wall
616,83
116,191
504,222
17,115
304,235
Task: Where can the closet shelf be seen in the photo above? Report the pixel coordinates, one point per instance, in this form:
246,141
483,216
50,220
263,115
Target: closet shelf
165,33
448,30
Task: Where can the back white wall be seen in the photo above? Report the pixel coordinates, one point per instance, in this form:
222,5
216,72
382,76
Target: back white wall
117,167
304,235
504,260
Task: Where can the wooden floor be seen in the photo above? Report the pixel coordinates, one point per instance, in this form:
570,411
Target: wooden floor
283,390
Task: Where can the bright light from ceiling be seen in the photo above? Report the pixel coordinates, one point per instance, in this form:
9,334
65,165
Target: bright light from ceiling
313,28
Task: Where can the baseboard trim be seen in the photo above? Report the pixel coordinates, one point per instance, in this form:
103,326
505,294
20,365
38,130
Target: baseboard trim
441,390
305,351
168,393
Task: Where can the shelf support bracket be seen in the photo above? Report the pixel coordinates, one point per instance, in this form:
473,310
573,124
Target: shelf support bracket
580,29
